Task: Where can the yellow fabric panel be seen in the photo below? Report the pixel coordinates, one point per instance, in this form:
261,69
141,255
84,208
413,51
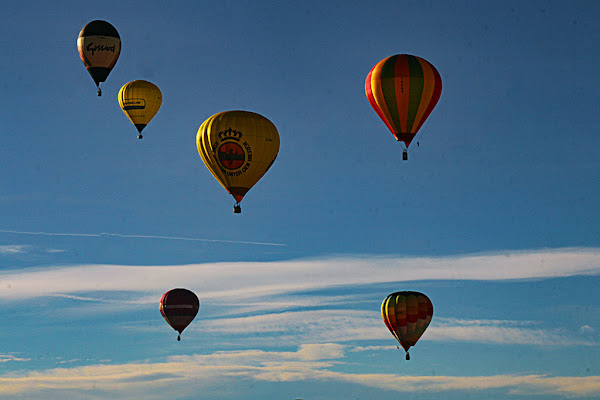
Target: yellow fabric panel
391,311
99,51
388,313
140,101
237,147
377,90
428,87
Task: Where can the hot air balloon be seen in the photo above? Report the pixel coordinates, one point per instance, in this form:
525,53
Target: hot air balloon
99,47
407,315
140,101
403,90
179,307
237,147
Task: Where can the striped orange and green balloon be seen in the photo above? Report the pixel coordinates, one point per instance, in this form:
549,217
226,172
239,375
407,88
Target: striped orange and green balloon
407,314
403,90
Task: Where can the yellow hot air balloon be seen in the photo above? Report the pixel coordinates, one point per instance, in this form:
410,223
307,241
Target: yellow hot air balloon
237,147
140,101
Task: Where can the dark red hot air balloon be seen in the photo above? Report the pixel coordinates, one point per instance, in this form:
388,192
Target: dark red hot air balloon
407,314
179,307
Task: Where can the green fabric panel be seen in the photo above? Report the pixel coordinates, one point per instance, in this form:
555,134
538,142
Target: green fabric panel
388,87
415,90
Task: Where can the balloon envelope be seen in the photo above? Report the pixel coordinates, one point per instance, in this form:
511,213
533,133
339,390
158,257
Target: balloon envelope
403,90
140,101
179,307
99,46
237,147
407,314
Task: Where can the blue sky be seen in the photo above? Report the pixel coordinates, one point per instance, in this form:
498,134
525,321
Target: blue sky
494,216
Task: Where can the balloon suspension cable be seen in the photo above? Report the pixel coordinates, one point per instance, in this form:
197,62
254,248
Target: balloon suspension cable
178,337
407,355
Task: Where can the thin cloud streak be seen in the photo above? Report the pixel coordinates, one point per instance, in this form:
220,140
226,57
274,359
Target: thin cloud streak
13,249
360,326
310,363
9,357
264,279
512,384
120,235
82,298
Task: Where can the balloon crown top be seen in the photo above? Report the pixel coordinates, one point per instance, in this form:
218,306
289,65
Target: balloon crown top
230,134
99,28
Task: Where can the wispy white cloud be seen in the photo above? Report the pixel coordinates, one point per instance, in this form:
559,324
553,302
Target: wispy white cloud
69,361
502,332
586,329
264,279
511,384
54,251
81,298
306,352
13,249
356,349
358,325
311,363
22,249
10,357
312,325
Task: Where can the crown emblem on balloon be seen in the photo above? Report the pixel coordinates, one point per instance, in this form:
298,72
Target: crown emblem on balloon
230,134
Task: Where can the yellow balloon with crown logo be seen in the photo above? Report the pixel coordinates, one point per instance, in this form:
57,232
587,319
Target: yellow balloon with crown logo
238,147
